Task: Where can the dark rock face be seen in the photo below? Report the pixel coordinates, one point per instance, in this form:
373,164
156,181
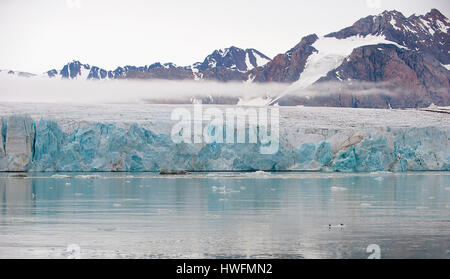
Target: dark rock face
52,73
427,33
167,71
230,64
385,76
73,69
232,58
224,74
286,67
382,76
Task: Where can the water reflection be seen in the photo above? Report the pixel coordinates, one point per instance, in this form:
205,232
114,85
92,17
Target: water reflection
205,215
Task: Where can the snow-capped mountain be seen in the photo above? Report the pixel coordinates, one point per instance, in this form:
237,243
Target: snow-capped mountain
409,56
427,33
77,70
223,65
288,66
401,61
229,64
11,73
233,58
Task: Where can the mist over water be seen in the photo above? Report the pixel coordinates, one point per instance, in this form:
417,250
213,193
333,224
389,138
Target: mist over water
42,90
132,91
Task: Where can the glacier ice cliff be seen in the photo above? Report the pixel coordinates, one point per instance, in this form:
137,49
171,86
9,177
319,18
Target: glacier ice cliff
34,143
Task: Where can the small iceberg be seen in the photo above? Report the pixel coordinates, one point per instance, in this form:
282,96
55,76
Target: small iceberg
60,176
338,189
259,174
88,176
106,229
174,172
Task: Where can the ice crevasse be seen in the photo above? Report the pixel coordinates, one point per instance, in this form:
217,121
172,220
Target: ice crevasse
30,144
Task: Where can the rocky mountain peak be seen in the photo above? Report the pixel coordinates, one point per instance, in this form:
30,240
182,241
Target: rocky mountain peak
233,58
428,33
72,70
436,15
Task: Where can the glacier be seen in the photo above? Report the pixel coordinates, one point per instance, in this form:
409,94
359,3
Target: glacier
58,137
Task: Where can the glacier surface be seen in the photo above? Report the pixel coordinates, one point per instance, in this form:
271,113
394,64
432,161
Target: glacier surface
46,137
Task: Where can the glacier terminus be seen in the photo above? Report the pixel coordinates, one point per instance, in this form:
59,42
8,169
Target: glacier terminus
120,137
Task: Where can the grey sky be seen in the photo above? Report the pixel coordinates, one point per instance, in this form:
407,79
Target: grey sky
38,35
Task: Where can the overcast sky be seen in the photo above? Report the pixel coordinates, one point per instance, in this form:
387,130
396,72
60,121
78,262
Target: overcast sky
38,35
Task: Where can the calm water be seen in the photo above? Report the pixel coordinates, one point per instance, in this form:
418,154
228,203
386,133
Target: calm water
225,215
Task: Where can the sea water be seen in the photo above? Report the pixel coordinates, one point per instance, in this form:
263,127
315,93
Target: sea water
225,215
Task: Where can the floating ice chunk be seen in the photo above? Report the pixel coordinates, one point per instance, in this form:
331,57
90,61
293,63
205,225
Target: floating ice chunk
259,174
106,229
60,176
338,189
88,176
218,188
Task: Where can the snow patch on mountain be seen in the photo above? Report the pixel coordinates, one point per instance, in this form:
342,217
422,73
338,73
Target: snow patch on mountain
393,22
84,73
260,60
427,26
442,27
330,53
247,62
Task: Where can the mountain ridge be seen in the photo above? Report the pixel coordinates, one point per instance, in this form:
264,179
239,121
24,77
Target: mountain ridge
225,61
411,54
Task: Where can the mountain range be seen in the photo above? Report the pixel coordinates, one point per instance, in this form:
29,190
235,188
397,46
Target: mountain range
382,61
224,65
